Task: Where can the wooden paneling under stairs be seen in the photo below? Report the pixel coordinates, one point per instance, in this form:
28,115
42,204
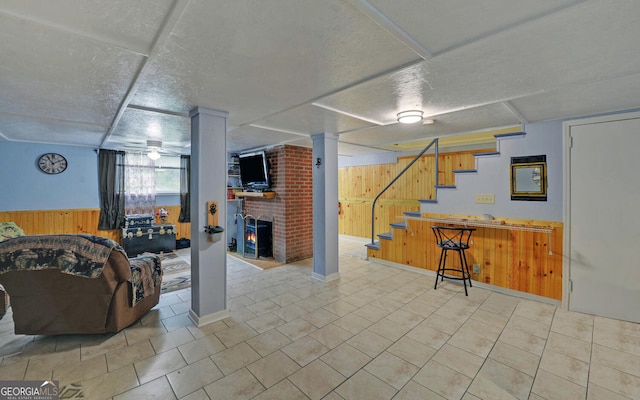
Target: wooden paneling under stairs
524,260
359,185
75,221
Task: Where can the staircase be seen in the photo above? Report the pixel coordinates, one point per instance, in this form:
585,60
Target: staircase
403,224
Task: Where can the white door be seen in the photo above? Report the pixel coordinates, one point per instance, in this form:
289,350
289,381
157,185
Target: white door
604,212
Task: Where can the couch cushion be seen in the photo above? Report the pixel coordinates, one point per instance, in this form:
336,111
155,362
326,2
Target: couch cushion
81,255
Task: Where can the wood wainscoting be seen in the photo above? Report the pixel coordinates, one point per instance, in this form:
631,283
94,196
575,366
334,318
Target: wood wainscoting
521,260
359,185
75,221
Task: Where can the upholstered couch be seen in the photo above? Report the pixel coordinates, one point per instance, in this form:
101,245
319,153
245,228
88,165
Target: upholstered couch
8,230
65,284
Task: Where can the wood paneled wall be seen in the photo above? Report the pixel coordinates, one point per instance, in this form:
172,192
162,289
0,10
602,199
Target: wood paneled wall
358,186
508,258
48,222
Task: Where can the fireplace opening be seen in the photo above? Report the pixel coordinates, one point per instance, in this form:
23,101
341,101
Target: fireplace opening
258,238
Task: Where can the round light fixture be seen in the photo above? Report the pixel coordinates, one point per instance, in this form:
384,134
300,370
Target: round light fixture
154,147
153,154
410,117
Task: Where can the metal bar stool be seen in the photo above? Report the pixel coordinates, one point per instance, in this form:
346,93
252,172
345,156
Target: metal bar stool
453,239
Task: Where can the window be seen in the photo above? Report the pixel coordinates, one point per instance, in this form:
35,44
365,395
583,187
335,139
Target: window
168,175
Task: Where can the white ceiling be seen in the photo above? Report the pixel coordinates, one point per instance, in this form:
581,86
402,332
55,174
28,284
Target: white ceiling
112,74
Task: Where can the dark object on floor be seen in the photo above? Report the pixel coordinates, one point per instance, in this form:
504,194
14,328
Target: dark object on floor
183,243
233,246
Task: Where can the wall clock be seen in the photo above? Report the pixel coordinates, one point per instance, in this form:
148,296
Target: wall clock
52,163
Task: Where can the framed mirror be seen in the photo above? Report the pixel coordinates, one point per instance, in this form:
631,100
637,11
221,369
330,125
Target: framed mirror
529,178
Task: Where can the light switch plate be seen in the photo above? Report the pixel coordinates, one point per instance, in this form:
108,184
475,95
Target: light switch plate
485,198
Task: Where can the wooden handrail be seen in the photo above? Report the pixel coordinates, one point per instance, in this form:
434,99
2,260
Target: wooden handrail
416,158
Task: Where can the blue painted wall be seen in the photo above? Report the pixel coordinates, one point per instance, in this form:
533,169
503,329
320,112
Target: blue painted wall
494,177
25,187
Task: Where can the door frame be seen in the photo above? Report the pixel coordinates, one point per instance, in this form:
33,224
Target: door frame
566,211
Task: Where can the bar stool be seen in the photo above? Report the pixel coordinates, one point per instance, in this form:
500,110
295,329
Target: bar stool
453,239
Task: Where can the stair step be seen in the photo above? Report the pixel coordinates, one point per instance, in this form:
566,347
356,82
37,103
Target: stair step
386,236
413,213
445,186
399,225
507,135
464,171
427,201
487,153
373,246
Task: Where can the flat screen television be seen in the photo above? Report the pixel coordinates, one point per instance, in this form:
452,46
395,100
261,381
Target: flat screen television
254,171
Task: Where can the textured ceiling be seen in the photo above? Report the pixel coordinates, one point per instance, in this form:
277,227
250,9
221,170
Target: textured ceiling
113,74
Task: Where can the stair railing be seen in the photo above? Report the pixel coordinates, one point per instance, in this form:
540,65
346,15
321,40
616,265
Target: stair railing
373,206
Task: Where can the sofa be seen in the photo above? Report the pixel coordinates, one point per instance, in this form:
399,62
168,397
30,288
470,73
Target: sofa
76,284
8,230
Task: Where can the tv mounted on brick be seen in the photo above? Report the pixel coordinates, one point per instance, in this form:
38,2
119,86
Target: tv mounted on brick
254,171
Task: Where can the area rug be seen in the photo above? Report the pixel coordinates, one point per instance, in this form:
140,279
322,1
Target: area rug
176,273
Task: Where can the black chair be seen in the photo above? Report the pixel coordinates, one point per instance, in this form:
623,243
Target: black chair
453,239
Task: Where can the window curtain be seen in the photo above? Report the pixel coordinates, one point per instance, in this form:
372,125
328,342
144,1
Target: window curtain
140,183
111,182
185,189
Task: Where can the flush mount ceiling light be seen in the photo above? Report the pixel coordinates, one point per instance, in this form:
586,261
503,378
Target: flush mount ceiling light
154,147
410,117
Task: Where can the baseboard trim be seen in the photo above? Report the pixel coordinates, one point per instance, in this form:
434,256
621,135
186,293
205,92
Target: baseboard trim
209,318
327,278
493,288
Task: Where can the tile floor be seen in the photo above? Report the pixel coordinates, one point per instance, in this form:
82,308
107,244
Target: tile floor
376,333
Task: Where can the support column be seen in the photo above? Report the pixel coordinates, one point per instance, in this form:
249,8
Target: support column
208,183
325,207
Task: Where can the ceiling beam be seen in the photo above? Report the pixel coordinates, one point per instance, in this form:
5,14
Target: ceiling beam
101,39
348,114
515,112
387,24
169,23
158,110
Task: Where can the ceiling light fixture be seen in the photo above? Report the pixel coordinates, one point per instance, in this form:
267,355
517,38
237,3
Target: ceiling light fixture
410,117
153,154
154,147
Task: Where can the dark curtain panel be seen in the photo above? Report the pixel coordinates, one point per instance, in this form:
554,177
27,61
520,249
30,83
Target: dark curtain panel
111,186
185,189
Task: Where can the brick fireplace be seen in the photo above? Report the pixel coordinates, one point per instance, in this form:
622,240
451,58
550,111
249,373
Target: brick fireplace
291,210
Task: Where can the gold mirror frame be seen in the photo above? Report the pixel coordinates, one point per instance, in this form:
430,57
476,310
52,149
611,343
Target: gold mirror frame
529,178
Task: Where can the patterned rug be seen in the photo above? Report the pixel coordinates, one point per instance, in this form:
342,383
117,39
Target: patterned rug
176,273
71,391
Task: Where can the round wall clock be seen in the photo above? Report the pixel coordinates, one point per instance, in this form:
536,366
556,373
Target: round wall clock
52,163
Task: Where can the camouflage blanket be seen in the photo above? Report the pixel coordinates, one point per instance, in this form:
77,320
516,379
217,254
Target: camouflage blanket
79,255
146,275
